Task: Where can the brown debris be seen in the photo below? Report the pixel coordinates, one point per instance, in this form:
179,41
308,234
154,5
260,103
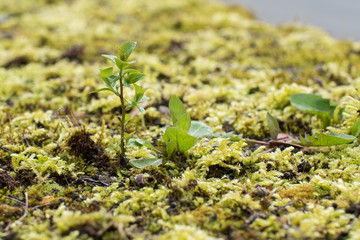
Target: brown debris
354,209
17,62
7,181
83,146
74,53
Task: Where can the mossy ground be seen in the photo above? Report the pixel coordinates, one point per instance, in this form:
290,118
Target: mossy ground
228,68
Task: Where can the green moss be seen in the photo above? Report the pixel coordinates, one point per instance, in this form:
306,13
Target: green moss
229,69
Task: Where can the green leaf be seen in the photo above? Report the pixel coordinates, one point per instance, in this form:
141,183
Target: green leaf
355,130
141,109
127,136
327,140
180,138
179,117
126,83
143,99
140,142
199,129
112,79
130,71
110,57
106,73
139,93
273,126
134,77
170,148
127,119
125,50
312,103
130,103
141,163
121,64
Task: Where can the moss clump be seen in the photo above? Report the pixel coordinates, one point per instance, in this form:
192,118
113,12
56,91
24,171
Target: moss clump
58,143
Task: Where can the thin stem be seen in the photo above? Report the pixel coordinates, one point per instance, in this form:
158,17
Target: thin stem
122,131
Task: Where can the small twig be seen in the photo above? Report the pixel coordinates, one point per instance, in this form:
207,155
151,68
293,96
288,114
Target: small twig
25,212
273,143
26,206
14,199
44,205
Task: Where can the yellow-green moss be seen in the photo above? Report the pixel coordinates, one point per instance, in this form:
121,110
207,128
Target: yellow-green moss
229,69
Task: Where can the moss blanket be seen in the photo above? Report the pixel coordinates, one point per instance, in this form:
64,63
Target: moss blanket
59,171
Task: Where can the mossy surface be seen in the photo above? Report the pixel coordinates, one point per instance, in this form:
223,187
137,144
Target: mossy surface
57,141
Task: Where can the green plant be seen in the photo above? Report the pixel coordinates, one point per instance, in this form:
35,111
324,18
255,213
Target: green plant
314,104
115,83
184,133
321,107
180,137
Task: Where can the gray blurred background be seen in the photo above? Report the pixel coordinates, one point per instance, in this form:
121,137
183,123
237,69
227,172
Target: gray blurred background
341,18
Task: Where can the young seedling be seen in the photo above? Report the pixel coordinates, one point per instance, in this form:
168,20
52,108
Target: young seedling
115,83
179,137
184,133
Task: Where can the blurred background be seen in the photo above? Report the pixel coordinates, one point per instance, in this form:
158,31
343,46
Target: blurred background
340,18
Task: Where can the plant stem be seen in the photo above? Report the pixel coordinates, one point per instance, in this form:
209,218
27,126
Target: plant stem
122,130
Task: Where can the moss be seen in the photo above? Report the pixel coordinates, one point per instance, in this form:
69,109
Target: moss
229,69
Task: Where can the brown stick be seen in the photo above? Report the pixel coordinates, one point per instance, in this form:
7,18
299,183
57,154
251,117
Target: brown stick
25,212
122,132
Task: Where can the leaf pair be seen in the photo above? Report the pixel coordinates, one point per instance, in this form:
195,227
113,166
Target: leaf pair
184,133
141,163
109,81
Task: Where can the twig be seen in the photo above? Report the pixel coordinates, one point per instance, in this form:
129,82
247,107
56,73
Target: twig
44,205
273,143
14,199
25,212
26,206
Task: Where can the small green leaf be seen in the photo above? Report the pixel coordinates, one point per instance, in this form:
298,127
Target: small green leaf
130,103
199,129
110,57
183,122
180,138
139,93
327,140
140,142
273,126
106,73
125,50
127,136
127,71
134,77
170,148
355,130
312,103
179,117
127,119
141,109
126,83
143,99
112,79
121,64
